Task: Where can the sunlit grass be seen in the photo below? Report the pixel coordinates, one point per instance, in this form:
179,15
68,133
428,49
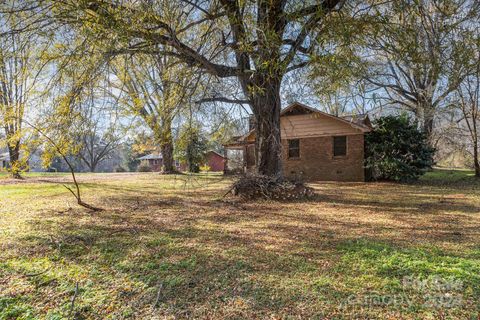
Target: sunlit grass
441,176
216,257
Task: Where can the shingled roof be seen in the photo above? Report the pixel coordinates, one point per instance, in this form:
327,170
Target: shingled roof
358,120
151,156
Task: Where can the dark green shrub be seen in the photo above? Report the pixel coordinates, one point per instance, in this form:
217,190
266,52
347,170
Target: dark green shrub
396,150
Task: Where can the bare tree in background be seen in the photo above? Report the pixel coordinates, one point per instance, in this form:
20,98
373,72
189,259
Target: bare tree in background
420,57
98,128
156,89
21,66
467,100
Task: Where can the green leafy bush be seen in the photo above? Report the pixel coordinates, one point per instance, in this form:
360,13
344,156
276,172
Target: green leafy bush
396,150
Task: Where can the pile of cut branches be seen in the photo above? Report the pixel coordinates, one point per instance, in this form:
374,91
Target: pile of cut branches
267,187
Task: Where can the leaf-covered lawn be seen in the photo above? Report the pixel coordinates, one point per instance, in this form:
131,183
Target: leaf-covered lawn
172,247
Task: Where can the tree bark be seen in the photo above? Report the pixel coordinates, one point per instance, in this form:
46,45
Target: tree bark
14,153
474,132
167,156
165,141
425,115
266,107
476,161
93,167
428,128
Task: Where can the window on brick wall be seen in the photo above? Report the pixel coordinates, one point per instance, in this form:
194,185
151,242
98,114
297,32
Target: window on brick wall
294,148
339,146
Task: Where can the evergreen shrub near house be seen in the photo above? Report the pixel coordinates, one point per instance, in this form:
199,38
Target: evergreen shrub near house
397,150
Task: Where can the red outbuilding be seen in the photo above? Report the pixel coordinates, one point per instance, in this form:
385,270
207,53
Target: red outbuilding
215,161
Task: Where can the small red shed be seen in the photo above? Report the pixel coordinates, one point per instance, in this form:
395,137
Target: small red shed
215,161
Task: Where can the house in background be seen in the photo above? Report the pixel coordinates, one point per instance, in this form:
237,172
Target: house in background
155,162
34,161
315,145
213,159
4,160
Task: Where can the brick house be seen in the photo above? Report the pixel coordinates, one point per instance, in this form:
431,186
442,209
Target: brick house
155,162
34,161
213,159
315,145
4,160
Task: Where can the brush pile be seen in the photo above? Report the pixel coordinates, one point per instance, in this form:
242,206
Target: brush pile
267,187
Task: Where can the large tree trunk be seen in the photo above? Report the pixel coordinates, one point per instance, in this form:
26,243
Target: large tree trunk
474,133
476,161
166,144
426,117
92,167
428,128
14,153
266,106
167,155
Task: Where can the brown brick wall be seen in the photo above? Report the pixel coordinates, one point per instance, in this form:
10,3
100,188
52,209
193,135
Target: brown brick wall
316,160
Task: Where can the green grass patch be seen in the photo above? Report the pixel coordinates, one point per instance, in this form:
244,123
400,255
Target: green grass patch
175,240
453,178
420,274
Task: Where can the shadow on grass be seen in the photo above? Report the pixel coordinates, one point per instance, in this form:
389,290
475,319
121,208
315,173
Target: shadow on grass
219,272
202,270
204,258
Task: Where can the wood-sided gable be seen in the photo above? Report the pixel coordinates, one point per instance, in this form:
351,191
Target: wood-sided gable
301,121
